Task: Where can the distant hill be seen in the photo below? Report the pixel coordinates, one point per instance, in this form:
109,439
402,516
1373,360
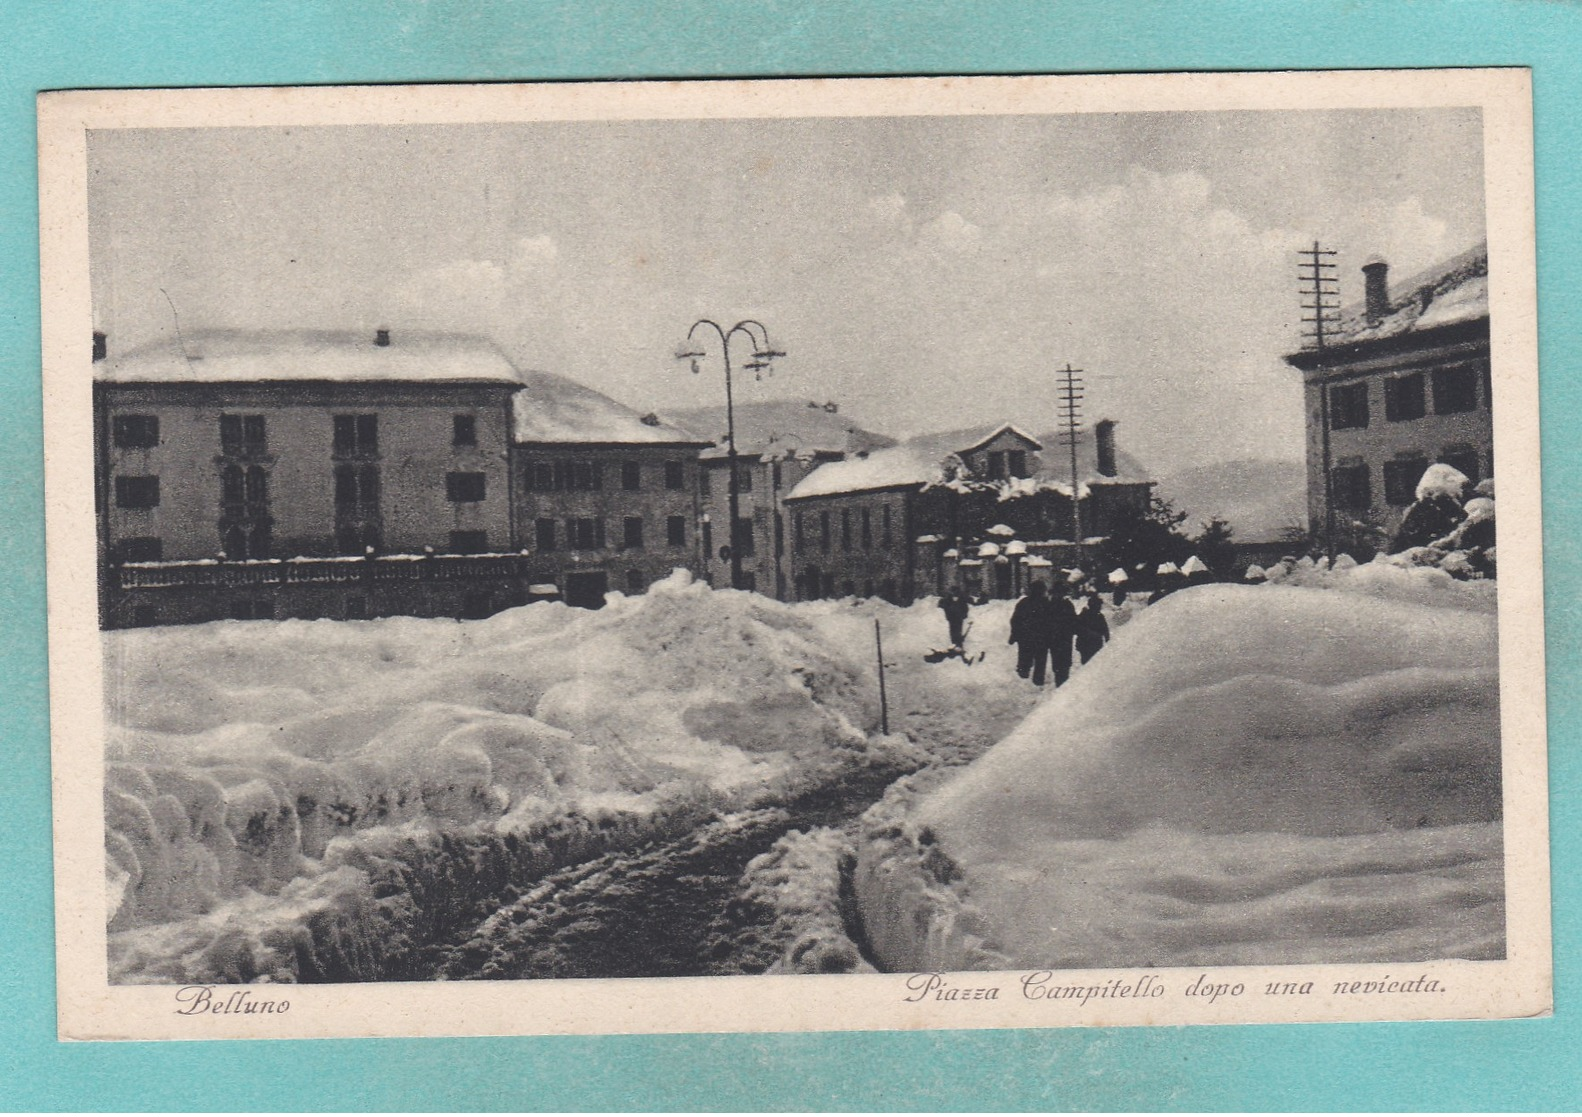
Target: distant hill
1258,498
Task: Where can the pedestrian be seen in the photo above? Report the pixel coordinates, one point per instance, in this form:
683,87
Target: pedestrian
1093,631
1062,628
955,608
1030,633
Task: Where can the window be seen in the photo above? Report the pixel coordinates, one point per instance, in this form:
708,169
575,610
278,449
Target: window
136,432
823,532
257,485
632,533
138,548
631,476
585,534
1465,459
246,541
469,542
241,435
577,476
799,526
675,475
1351,487
463,430
884,525
708,541
867,530
1348,406
845,529
780,535
544,534
774,475
1403,398
996,465
743,541
676,531
635,582
464,488
1400,480
233,485
137,492
352,538
356,435
704,480
1455,390
1016,462
356,486
744,478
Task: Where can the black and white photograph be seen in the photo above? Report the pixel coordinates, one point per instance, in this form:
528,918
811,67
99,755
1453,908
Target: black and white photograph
963,553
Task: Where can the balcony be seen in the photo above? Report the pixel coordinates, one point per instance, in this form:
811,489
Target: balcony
251,573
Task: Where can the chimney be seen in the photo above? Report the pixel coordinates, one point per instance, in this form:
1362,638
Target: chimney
381,337
1376,287
1104,446
100,348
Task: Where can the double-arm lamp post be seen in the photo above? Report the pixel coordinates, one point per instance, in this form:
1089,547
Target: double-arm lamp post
762,359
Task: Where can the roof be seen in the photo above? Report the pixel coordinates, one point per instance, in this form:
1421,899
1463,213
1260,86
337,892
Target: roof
1456,290
788,426
551,408
233,356
920,461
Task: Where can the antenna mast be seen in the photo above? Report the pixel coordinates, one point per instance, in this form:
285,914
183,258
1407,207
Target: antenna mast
1070,407
1320,292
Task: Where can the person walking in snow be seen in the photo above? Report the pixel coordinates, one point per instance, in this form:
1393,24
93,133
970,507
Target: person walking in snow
1093,631
1030,633
955,608
1062,628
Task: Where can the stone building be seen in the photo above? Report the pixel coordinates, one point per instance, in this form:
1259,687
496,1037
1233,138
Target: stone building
606,498
778,442
1402,382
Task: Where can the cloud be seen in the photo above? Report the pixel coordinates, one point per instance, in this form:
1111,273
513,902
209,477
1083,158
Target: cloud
479,295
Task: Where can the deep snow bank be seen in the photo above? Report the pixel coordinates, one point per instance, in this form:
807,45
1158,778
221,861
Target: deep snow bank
1246,775
279,790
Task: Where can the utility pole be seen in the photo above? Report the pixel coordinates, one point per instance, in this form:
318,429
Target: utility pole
884,701
1070,392
1320,291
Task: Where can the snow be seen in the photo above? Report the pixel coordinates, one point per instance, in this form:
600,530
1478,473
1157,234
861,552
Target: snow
553,409
1117,577
1440,479
1245,775
780,427
1462,304
1194,565
1001,529
988,550
216,356
1456,290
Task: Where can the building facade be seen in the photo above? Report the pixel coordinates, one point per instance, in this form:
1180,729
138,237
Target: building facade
1402,382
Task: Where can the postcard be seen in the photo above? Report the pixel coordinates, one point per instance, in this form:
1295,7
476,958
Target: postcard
794,555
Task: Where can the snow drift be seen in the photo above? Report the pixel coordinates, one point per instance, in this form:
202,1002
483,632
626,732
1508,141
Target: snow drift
1247,775
304,798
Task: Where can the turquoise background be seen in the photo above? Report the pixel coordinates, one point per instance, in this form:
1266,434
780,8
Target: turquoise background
44,45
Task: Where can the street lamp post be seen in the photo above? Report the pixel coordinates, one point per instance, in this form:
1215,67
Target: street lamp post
763,359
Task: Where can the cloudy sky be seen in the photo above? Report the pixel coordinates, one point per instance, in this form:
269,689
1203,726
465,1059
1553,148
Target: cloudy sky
925,272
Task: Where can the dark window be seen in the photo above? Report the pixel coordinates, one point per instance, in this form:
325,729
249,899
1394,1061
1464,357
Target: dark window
539,477
632,533
867,529
708,541
744,541
635,582
137,492
705,478
242,434
246,541
357,538
780,535
1351,487
800,529
744,479
845,529
1464,459
257,485
1403,398
356,434
136,432
356,486
1016,462
578,476
463,430
1455,390
1400,480
544,530
233,485
884,525
469,542
996,465
823,531
139,548
631,476
676,531
585,534
675,475
464,488
774,475
1348,406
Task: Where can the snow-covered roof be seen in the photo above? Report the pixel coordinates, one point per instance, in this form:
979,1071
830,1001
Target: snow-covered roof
1456,290
551,408
234,356
787,426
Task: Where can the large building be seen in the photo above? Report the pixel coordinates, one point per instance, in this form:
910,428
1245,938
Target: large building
325,474
778,442
1402,382
983,507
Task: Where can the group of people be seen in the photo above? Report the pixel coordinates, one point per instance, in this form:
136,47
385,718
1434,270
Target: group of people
1046,627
